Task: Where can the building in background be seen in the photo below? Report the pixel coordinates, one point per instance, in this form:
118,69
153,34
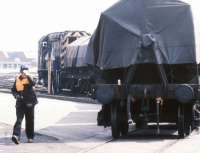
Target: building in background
11,62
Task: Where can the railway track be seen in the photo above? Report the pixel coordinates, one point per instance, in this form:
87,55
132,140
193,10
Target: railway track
7,80
147,141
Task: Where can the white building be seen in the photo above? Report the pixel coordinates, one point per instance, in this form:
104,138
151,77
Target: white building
11,62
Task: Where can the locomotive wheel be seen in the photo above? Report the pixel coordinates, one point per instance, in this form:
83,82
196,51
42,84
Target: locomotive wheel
181,121
115,119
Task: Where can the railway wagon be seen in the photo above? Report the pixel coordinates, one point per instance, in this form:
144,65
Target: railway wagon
76,74
66,50
147,63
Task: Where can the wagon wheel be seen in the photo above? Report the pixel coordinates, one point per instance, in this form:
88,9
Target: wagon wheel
181,121
115,119
124,121
188,118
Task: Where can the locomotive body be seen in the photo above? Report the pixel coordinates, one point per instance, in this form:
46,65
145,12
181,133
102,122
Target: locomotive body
67,53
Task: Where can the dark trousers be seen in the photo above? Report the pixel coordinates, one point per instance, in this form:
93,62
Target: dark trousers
28,112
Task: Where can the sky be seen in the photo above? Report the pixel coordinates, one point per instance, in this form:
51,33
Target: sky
24,22
195,5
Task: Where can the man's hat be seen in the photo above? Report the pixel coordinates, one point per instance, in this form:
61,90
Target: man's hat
22,68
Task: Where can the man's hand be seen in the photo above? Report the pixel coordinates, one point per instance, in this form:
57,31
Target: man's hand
19,97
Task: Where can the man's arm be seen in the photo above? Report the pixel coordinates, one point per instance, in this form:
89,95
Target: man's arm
31,82
13,90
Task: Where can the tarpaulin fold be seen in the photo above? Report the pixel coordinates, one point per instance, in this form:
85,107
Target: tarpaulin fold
127,32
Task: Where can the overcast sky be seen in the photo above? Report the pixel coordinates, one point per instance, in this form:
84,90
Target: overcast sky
24,22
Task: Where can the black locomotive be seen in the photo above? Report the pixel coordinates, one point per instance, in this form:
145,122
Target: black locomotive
67,52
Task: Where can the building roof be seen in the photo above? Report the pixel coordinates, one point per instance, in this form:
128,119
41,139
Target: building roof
19,55
2,56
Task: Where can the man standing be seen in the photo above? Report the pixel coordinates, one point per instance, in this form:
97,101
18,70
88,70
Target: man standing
26,99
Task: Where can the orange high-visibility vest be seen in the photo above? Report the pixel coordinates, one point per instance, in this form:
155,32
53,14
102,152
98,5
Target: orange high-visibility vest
20,84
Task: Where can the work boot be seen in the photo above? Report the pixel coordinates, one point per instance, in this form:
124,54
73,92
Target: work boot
30,140
15,139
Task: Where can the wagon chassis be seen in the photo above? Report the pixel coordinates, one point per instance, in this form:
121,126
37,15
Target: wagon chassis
117,98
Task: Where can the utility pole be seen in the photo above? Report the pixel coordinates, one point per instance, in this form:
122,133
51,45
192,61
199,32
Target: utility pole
49,67
49,75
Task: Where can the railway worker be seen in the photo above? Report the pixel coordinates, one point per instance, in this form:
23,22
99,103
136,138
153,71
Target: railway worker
26,99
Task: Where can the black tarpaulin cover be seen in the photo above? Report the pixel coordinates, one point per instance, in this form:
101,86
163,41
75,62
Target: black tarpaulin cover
143,31
76,52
